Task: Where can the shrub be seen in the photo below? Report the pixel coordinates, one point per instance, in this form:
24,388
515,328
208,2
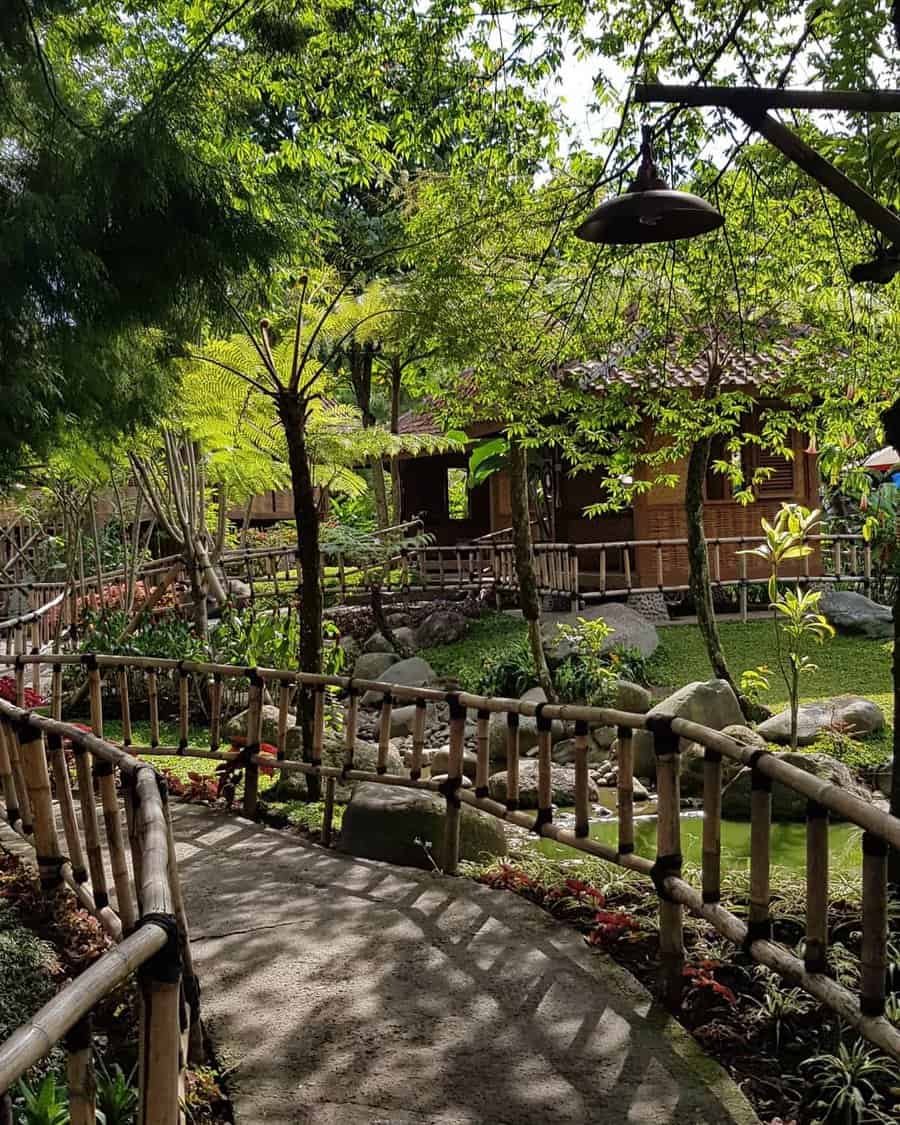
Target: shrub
507,673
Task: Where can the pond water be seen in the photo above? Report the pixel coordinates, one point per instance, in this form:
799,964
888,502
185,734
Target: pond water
788,843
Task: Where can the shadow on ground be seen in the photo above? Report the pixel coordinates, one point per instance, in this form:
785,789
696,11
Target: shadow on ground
346,992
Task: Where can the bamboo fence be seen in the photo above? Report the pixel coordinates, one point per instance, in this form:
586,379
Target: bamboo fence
864,1011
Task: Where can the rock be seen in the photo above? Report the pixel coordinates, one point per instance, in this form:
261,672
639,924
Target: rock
600,739
442,627
626,696
440,762
412,672
402,719
563,753
397,620
692,756
640,790
849,714
237,727
406,638
292,786
371,665
383,822
609,778
467,782
378,643
562,781
787,804
351,649
239,592
630,630
528,735
710,702
856,614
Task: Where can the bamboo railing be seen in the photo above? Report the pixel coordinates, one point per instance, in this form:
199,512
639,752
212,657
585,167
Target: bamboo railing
881,831
143,912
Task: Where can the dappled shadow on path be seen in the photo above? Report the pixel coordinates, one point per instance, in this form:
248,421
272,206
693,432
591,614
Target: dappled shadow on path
349,992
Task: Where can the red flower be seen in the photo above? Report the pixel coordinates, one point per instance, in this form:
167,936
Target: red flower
578,890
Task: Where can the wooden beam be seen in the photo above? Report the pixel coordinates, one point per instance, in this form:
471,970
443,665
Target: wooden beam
756,99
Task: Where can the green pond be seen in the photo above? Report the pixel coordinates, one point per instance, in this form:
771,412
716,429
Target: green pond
788,843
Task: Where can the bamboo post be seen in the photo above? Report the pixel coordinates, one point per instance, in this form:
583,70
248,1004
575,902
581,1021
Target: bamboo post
668,857
13,814
625,790
6,1114
626,556
80,1074
160,1049
582,794
512,760
573,555
95,693
184,710
418,746
284,703
112,822
759,923
37,779
56,692
35,651
135,838
254,728
215,711
712,826
384,732
451,786
67,807
660,573
545,766
483,765
350,719
815,958
867,568
23,802
153,704
125,707
873,959
602,570
20,667
91,829
742,575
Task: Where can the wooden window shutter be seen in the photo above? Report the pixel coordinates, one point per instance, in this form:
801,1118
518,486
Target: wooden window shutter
780,480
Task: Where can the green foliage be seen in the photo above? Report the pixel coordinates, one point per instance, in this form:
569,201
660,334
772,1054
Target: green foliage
117,1095
44,1104
27,980
507,673
168,636
847,1083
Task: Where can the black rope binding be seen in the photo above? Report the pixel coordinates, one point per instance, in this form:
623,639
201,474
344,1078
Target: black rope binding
665,741
50,870
710,755
544,816
89,661
101,899
101,768
164,966
543,722
449,788
759,782
757,931
665,866
79,1037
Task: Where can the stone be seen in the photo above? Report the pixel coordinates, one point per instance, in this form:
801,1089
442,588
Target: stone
466,782
629,630
856,614
562,781
237,727
239,592
292,786
710,702
788,804
440,762
378,643
442,627
371,665
848,714
651,604
626,696
412,672
351,649
528,735
406,638
402,719
693,753
384,822
608,778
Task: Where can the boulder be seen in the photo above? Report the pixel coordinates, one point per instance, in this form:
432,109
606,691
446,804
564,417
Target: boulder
849,714
442,627
406,638
412,672
629,630
383,822
239,592
528,735
440,762
710,702
351,649
856,614
292,786
562,781
371,665
787,804
626,696
237,727
378,643
402,719
692,756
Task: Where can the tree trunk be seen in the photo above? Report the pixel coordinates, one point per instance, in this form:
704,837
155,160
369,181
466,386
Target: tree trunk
198,597
701,590
306,518
529,599
894,853
396,495
381,500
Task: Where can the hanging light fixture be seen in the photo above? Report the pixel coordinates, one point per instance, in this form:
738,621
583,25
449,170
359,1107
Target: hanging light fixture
649,211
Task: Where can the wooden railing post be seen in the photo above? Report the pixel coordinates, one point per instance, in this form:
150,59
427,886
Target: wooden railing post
153,704
625,790
384,732
873,955
668,857
37,778
815,954
66,802
512,760
160,1046
418,746
712,825
483,767
759,921
7,777
251,747
215,711
545,767
184,710
582,791
80,1074
451,786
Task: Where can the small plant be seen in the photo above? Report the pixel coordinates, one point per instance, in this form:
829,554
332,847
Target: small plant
609,926
847,1083
427,847
508,673
779,1005
47,1104
701,979
796,612
754,682
117,1095
8,693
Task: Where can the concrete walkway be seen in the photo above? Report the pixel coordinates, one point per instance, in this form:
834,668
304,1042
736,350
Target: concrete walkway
347,992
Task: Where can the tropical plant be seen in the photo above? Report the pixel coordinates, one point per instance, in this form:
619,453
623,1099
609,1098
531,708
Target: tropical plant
848,1084
45,1104
797,618
117,1095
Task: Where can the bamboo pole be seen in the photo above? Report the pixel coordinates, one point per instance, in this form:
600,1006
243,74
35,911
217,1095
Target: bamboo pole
742,577
80,1074
215,712
254,733
37,779
125,706
814,957
483,765
135,841
759,923
452,785
418,746
190,984
36,648
873,955
112,822
160,1052
11,800
545,767
66,803
284,703
153,704
23,801
184,710
91,828
512,760
712,826
351,716
582,794
384,732
625,789
668,859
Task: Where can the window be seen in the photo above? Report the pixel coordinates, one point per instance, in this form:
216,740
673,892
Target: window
779,480
458,494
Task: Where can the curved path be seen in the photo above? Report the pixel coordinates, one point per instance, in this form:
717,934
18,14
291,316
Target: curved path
347,992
